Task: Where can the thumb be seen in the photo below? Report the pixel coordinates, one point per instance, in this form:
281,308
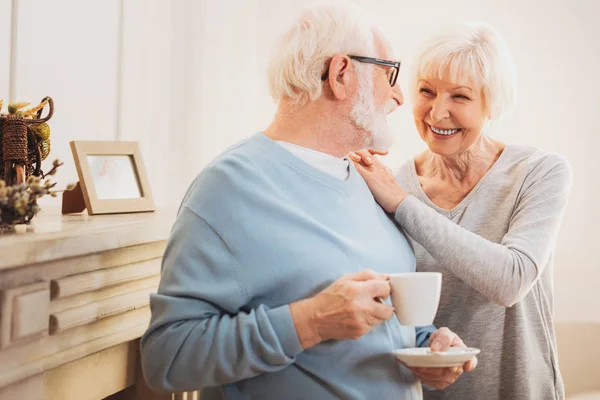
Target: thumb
441,340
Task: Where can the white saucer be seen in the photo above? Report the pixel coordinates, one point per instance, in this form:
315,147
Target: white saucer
424,357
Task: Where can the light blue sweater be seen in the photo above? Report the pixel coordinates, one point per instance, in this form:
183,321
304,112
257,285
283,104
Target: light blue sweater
259,229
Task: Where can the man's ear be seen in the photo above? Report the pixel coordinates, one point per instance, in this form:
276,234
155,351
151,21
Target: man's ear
342,77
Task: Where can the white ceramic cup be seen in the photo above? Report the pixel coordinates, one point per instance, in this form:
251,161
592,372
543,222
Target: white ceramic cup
416,296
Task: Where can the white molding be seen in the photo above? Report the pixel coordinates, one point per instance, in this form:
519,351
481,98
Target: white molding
12,79
119,81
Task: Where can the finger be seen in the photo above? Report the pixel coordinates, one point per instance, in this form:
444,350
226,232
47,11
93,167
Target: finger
379,153
367,275
437,378
361,156
441,339
377,288
383,312
444,380
375,161
426,375
452,376
439,385
439,373
365,156
354,157
470,365
420,372
369,161
363,153
362,170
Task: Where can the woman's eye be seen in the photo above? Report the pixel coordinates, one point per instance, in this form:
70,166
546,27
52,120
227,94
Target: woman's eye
461,96
424,90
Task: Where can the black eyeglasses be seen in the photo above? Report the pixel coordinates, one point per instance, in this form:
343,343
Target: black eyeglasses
377,61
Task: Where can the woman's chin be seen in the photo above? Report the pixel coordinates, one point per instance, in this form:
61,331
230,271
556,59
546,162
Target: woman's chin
442,148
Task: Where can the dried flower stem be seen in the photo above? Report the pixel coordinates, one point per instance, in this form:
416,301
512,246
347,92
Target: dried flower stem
18,203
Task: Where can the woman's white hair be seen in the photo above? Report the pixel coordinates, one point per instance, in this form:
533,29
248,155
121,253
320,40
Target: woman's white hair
471,53
303,54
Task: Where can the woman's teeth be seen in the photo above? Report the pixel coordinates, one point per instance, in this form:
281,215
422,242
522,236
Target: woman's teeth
444,131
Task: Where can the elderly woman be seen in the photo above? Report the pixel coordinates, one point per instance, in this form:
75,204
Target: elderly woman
483,213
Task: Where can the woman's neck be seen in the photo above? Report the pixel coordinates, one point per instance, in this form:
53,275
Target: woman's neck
464,169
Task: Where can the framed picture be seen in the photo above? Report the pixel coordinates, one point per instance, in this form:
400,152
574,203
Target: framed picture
112,179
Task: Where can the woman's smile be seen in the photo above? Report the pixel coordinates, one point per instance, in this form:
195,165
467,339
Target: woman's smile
444,133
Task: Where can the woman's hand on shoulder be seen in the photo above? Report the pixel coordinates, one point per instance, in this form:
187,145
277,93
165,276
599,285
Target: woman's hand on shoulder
386,190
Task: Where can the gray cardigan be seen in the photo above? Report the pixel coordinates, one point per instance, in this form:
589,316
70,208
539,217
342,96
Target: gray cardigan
495,251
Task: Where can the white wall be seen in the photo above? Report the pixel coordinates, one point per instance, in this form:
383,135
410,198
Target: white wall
5,25
146,95
186,79
66,49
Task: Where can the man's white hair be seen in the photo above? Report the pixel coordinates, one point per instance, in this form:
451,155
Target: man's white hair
471,53
303,54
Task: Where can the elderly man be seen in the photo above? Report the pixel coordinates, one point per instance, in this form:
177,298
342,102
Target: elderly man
265,291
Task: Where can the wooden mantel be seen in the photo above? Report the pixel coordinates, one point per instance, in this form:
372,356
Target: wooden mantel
74,294
52,236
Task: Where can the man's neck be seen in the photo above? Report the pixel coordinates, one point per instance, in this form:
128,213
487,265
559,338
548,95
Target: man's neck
314,126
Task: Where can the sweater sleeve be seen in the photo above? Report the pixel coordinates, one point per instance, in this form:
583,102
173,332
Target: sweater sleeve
503,272
200,333
422,335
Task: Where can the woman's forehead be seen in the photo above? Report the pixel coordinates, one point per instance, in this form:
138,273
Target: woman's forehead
453,82
453,70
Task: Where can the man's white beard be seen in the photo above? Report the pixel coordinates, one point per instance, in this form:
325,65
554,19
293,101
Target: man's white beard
366,116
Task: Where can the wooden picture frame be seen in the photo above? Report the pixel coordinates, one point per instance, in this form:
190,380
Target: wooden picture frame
112,179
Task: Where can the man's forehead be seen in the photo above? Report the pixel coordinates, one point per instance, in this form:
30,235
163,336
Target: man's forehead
384,49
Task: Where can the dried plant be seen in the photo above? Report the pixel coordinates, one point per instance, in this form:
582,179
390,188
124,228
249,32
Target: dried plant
18,203
24,140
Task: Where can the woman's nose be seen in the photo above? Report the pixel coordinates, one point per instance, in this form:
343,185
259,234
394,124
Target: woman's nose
439,109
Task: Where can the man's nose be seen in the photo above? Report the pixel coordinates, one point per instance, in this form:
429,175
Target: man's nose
397,94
